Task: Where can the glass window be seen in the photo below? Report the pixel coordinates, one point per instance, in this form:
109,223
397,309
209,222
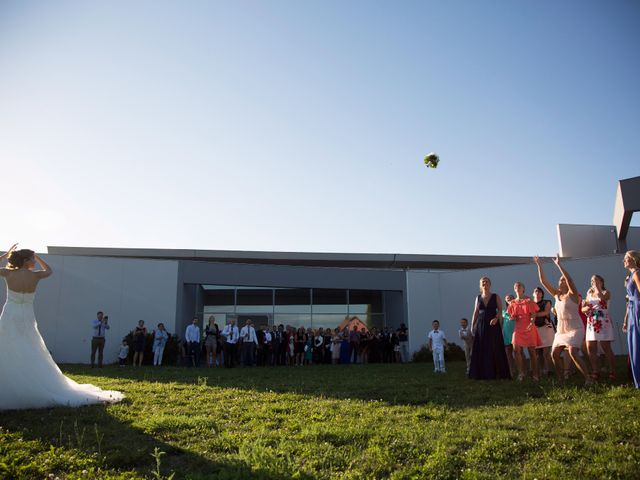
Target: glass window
328,300
328,320
222,299
365,301
292,320
293,300
254,300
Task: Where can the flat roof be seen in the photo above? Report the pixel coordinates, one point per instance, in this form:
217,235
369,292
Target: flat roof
345,260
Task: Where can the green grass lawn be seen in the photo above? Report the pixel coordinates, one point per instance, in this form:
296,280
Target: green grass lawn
358,421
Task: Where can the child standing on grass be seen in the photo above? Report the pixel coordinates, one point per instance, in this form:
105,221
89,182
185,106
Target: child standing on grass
437,344
124,353
467,339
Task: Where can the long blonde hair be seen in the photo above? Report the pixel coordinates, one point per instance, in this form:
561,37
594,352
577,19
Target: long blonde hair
635,256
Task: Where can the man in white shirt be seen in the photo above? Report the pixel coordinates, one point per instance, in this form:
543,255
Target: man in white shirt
192,337
231,336
100,326
249,343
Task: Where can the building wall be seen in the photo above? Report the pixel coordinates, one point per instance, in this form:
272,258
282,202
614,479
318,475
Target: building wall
154,290
424,306
127,290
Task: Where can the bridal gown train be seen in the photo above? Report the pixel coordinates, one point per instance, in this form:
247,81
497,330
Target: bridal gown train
29,378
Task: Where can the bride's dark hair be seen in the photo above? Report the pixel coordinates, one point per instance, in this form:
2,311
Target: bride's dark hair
17,258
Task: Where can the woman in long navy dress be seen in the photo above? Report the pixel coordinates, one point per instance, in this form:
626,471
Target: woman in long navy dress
488,357
632,320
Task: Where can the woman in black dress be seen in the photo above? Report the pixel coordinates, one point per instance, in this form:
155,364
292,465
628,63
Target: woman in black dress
488,358
139,337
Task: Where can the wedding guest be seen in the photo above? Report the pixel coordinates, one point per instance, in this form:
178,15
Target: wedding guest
231,336
211,333
507,334
249,343
192,337
160,338
327,346
299,345
139,338
265,341
395,347
336,339
437,344
571,334
318,346
632,318
488,357
542,321
525,335
291,346
599,327
354,344
308,347
345,350
100,326
365,342
123,354
467,341
403,337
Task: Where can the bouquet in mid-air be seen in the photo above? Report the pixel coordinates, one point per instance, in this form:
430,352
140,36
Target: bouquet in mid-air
431,160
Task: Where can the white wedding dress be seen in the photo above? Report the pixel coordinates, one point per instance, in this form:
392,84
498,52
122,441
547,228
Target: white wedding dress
29,378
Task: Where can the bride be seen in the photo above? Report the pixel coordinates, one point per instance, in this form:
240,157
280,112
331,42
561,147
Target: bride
28,375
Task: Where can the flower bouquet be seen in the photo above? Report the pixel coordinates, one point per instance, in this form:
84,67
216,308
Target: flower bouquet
431,160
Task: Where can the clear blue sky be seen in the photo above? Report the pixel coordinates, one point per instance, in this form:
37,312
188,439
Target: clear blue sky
302,125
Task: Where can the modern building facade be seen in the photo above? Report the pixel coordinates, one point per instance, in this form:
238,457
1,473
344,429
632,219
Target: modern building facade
297,289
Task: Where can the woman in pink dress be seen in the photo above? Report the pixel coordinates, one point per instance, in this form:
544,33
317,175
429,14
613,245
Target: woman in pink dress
570,335
525,335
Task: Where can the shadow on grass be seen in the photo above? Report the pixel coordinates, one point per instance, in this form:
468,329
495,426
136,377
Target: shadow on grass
117,446
395,384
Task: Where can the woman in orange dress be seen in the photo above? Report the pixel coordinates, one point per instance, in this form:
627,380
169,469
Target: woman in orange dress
525,335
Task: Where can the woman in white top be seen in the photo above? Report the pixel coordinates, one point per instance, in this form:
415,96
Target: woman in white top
570,334
599,326
28,375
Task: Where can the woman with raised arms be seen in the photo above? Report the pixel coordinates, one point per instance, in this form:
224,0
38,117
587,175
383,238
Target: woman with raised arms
571,332
28,375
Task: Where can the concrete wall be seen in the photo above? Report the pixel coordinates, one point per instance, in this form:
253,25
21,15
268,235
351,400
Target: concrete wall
424,306
153,290
581,241
450,296
125,289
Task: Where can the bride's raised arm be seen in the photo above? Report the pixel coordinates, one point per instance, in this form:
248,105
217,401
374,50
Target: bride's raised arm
5,256
46,269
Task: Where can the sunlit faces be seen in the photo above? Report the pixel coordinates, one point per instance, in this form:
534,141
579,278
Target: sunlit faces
563,287
485,283
631,260
518,288
538,294
597,282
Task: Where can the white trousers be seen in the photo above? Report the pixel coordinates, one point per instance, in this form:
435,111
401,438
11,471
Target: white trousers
438,359
157,355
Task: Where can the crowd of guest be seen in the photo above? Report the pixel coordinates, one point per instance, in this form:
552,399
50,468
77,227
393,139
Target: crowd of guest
281,345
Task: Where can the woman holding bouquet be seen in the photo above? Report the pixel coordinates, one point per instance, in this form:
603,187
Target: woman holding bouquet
570,334
488,357
599,326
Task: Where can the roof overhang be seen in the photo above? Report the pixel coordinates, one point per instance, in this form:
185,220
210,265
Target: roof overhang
345,260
